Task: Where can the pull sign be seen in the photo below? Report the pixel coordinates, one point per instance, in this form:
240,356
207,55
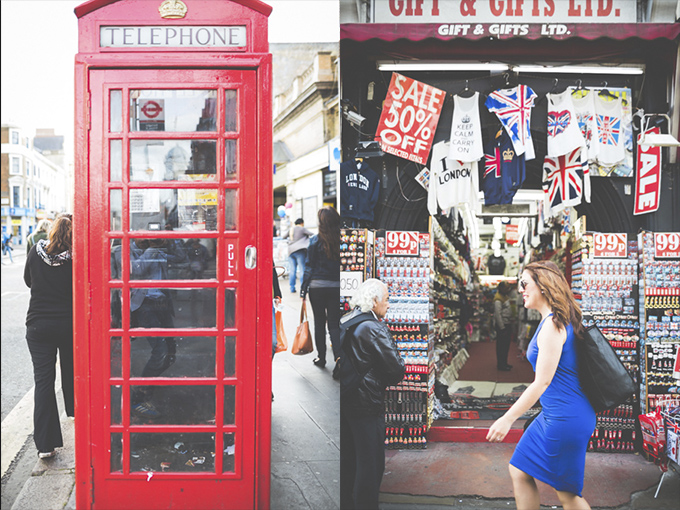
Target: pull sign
401,243
667,245
251,257
610,245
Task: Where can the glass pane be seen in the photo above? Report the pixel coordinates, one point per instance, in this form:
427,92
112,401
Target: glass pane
231,209
116,405
230,160
116,452
173,259
172,452
229,404
116,208
230,356
115,259
116,309
229,453
172,405
173,160
172,356
230,110
173,209
229,308
116,357
116,111
173,110
116,160
173,308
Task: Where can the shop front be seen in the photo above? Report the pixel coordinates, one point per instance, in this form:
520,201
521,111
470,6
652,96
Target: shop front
173,262
471,104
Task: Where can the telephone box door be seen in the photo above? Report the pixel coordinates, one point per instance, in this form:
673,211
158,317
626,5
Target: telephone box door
172,193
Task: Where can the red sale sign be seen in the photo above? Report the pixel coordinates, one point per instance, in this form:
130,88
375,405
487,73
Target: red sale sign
648,177
610,245
409,118
512,234
402,243
667,245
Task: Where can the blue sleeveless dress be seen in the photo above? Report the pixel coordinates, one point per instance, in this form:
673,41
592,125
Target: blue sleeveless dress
553,448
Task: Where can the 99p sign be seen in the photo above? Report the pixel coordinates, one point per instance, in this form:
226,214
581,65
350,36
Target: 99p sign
409,118
667,245
610,245
402,243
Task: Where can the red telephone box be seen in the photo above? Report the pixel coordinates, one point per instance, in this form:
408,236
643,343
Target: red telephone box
172,254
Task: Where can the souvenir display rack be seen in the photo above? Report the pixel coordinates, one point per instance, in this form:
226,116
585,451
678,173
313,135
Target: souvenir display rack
356,261
408,404
659,322
606,289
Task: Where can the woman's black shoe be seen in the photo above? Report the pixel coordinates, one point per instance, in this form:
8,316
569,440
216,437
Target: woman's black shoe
321,363
506,368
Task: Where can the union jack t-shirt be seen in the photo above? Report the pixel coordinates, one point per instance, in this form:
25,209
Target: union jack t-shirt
609,115
513,108
563,180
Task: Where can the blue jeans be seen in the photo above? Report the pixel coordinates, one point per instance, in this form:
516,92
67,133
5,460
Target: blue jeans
296,259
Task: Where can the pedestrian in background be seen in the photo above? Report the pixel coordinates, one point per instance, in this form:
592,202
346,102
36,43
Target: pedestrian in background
502,315
298,242
553,448
7,247
41,232
49,328
370,363
322,280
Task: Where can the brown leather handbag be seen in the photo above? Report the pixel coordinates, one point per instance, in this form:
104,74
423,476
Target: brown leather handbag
302,344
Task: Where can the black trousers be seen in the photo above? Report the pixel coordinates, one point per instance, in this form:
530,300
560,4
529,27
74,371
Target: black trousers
502,346
362,461
326,308
45,338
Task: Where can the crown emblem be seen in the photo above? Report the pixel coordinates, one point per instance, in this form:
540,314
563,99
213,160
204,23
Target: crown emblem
173,9
508,154
466,119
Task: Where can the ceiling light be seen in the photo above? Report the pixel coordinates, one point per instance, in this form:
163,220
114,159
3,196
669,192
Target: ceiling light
425,65
580,69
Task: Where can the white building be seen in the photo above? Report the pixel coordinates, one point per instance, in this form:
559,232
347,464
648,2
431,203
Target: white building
35,183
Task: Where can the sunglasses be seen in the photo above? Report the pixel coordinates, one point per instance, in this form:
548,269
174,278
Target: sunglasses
522,285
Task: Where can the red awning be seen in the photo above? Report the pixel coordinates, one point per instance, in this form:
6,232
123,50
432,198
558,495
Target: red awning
532,31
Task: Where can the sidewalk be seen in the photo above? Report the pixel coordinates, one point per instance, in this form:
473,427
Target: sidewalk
305,437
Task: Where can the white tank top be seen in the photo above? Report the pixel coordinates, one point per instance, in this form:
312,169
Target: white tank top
564,134
584,106
609,116
466,130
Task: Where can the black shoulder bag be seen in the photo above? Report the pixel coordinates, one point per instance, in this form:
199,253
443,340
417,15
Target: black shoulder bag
604,379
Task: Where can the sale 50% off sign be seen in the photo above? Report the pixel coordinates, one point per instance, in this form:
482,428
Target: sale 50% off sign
409,118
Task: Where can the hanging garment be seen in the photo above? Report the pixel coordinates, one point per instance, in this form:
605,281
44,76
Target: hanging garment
466,129
584,107
504,171
513,108
563,180
452,182
564,134
609,115
359,190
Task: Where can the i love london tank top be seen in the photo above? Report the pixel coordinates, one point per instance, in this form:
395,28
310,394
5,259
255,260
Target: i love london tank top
564,134
466,130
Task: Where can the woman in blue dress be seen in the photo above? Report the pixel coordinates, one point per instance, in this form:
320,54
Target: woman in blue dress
553,448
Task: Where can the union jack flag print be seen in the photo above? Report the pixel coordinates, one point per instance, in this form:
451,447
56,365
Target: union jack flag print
492,163
563,180
609,128
513,109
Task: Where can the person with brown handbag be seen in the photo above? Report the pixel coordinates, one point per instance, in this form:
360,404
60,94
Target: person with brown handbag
322,280
302,343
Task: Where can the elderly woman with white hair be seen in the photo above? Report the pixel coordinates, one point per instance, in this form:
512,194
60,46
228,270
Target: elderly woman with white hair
369,363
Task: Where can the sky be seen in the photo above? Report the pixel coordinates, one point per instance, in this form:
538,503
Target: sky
40,40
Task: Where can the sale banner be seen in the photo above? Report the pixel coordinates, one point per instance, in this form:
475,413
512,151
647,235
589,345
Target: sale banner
409,118
667,245
512,234
648,177
610,245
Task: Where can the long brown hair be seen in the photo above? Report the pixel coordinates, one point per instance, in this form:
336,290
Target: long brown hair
60,236
329,232
556,291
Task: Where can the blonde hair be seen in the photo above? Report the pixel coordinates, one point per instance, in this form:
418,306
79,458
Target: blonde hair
557,293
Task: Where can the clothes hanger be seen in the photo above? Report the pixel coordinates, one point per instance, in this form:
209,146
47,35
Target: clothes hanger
467,91
605,92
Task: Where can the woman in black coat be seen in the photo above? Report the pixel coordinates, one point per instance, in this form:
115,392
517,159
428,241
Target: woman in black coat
49,328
